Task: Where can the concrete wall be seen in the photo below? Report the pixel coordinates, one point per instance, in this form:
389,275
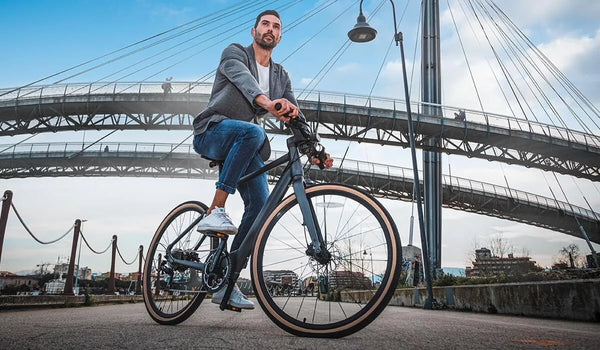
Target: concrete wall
574,299
8,302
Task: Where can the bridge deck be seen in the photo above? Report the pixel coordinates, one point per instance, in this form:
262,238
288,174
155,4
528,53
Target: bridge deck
171,160
357,118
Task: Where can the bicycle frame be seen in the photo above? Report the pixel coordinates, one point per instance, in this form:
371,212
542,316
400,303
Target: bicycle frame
294,175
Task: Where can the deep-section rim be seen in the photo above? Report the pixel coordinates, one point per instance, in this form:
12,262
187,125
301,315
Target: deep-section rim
187,311
373,308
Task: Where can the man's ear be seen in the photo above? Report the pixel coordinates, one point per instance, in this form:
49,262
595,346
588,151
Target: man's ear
253,32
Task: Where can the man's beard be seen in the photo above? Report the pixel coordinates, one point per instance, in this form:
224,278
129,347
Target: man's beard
263,44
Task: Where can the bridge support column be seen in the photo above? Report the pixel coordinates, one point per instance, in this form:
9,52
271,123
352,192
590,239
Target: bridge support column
71,271
432,193
431,92
111,279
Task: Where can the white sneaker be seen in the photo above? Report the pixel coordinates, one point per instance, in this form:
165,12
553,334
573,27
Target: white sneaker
217,221
237,298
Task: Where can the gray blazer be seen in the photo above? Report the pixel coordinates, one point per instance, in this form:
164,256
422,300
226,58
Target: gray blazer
235,88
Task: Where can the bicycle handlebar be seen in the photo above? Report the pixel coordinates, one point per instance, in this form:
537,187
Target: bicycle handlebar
312,147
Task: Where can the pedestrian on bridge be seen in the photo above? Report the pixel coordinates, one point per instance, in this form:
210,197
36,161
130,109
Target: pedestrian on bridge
166,86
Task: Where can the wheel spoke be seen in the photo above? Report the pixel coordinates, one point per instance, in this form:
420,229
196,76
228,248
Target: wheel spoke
341,288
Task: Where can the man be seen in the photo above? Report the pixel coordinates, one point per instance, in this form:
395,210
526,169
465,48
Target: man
248,84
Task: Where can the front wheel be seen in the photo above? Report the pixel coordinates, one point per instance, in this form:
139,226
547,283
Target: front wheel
171,292
335,299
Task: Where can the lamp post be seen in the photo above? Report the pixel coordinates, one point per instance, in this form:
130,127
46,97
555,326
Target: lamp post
78,258
362,32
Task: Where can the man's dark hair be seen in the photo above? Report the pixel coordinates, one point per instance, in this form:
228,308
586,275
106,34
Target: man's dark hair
266,12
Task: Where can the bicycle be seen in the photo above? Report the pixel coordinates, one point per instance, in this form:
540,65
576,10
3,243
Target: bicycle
333,230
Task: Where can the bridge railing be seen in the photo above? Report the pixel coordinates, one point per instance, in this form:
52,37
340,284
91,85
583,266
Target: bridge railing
447,113
380,171
450,113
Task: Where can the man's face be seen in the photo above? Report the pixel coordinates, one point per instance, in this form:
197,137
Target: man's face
267,32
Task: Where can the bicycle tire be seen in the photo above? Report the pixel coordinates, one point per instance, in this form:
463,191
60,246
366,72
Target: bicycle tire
273,237
159,306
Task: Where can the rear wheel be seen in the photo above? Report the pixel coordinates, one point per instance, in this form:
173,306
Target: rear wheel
171,292
337,298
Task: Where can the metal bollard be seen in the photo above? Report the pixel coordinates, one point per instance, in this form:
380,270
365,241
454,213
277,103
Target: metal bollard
7,200
71,272
111,280
138,287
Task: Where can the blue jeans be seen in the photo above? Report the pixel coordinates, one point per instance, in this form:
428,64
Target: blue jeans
238,144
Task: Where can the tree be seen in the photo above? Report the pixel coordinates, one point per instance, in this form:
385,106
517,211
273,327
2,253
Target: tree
500,246
571,255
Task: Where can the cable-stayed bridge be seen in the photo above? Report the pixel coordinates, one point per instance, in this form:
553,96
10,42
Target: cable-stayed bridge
177,161
143,106
544,105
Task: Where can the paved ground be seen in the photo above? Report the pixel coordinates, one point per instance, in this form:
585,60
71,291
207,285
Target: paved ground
127,326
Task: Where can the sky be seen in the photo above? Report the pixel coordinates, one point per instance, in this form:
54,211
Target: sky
41,38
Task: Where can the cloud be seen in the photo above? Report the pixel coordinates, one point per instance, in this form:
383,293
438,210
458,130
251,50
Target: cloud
305,81
351,67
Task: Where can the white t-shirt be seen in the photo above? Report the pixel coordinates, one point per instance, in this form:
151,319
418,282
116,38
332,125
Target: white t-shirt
263,78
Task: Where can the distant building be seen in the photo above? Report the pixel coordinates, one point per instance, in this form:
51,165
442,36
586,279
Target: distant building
281,277
84,274
61,269
56,286
10,279
486,264
349,279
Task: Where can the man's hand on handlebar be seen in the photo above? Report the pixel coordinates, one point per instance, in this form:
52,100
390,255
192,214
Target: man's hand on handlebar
327,162
285,111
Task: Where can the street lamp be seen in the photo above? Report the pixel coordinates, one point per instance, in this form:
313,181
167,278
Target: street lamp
79,256
362,32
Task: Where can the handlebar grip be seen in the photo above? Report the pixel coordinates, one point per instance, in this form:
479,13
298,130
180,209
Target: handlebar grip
277,106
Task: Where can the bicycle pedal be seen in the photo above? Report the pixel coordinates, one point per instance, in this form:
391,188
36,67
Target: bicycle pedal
231,308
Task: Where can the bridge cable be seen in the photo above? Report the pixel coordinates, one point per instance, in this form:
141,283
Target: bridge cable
163,157
502,67
91,144
29,231
543,76
118,50
556,72
465,56
294,23
169,48
585,199
20,142
179,52
483,12
511,47
283,9
466,14
121,49
508,49
520,50
122,259
88,245
524,53
386,53
581,229
333,59
419,104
